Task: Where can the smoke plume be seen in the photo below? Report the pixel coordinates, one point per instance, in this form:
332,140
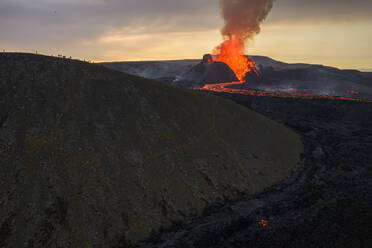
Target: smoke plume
243,17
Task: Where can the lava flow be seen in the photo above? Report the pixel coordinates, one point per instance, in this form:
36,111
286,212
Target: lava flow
231,52
225,87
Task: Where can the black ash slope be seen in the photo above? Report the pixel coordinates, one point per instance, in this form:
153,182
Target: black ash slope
325,203
90,157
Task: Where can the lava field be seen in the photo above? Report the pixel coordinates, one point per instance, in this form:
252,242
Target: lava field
326,202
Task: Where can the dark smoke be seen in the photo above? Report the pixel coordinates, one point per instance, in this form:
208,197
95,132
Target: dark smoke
243,17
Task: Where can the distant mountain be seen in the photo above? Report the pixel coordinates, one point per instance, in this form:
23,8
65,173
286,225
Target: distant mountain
277,65
367,75
91,157
171,69
160,70
275,74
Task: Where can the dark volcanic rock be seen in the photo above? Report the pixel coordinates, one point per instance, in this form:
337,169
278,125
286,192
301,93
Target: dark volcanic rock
321,79
325,203
209,72
91,157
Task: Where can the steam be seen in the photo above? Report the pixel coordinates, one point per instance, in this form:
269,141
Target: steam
243,18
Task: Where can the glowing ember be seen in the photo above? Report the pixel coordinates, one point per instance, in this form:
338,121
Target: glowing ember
231,52
263,223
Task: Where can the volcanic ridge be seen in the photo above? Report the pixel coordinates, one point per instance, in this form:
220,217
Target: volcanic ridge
92,157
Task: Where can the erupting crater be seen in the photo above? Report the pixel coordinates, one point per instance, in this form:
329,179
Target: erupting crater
231,52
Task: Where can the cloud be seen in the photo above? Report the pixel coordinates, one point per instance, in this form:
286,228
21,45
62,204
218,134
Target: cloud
101,29
61,21
321,11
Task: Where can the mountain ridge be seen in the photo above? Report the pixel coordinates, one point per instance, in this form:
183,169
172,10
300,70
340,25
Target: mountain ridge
95,157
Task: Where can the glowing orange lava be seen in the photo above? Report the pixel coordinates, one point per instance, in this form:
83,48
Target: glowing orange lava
263,223
231,52
224,87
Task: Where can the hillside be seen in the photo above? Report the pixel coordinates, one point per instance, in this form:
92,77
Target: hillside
91,157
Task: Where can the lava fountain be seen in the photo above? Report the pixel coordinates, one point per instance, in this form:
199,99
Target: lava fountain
231,52
242,23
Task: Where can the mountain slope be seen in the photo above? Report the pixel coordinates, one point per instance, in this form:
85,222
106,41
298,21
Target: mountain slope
90,157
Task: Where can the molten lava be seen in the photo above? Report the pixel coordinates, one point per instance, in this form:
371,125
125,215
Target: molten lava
303,94
231,52
263,223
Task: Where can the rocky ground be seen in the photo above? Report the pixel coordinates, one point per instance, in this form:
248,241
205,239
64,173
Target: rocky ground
326,202
90,157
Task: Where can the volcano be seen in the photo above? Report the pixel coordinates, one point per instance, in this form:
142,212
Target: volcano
210,72
273,78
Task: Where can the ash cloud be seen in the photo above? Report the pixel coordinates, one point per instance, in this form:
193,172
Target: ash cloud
244,17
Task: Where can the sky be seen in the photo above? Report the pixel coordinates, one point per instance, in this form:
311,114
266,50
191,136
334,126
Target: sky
330,32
